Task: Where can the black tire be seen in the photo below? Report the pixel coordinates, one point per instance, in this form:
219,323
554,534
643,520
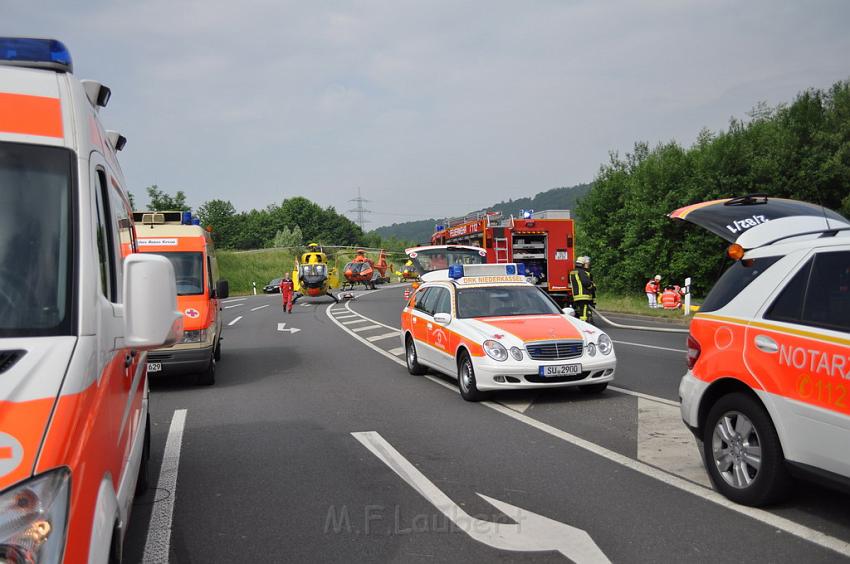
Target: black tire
207,377
143,481
593,388
466,379
217,353
750,431
412,358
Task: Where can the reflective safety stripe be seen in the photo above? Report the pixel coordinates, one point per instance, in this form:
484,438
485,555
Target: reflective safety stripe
30,115
578,295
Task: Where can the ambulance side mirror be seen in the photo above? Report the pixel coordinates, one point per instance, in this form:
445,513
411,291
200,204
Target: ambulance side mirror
569,311
443,318
151,318
222,290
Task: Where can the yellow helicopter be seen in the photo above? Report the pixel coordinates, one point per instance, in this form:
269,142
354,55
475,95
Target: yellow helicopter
313,276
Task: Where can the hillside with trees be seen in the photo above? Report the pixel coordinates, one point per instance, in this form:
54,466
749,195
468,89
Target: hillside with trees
556,198
800,151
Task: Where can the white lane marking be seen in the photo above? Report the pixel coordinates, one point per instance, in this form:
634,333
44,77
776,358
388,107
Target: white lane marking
374,338
233,300
346,316
259,307
683,351
158,542
398,351
232,306
339,311
519,404
791,527
361,320
530,532
665,443
366,328
291,330
348,307
657,399
235,321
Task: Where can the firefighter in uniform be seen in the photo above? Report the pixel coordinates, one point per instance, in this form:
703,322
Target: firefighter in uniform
584,290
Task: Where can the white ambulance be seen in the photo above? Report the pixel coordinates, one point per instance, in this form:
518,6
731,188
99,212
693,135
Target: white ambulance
78,310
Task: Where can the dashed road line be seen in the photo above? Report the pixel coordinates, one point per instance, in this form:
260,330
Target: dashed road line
233,300
374,338
361,320
158,543
398,351
259,307
235,321
232,306
346,316
366,328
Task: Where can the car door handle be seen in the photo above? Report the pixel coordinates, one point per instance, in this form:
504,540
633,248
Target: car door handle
766,344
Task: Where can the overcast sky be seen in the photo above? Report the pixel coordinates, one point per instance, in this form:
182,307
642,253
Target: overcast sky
432,108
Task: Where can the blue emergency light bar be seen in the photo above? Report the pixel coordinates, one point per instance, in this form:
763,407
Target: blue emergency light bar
526,214
512,269
456,271
35,53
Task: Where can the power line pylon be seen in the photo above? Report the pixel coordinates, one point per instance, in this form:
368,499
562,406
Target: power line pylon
360,209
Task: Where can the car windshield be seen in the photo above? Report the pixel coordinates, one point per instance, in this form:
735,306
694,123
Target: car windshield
503,301
313,269
275,282
36,259
188,272
436,259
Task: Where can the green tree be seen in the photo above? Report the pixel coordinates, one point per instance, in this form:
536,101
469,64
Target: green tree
219,216
288,238
162,201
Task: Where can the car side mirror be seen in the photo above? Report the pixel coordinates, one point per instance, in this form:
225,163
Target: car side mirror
443,318
569,311
151,317
222,289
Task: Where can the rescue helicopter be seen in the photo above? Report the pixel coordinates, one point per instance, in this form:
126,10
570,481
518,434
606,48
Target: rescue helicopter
363,270
408,272
313,276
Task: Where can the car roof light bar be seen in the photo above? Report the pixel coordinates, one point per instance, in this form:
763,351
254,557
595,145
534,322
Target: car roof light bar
35,53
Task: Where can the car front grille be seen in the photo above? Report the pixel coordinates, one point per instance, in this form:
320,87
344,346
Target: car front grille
538,379
555,350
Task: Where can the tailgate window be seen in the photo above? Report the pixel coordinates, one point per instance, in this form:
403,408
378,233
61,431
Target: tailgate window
734,280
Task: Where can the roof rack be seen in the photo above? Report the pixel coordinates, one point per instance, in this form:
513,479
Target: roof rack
823,234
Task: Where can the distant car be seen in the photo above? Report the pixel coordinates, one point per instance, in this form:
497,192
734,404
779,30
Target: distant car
273,287
492,330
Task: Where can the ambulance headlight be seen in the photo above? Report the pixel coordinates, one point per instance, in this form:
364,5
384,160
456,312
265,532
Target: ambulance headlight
604,344
516,352
194,336
34,518
495,350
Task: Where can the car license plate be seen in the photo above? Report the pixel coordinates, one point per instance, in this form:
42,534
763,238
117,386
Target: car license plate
561,370
154,367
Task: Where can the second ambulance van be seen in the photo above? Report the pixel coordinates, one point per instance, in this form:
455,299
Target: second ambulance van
78,310
178,237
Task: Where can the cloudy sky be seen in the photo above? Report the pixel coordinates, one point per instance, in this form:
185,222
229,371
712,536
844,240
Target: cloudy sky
431,108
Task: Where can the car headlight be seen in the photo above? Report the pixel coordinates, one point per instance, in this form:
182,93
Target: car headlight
34,518
591,349
604,344
516,352
194,336
495,350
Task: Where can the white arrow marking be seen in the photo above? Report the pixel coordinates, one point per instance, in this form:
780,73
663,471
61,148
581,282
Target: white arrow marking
291,330
530,533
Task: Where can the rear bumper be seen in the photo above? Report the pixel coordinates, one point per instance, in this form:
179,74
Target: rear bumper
181,361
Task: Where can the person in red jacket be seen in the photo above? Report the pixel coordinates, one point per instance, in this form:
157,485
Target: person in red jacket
652,288
286,293
671,299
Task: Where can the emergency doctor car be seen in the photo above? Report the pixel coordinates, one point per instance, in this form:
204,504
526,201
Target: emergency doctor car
78,310
492,330
767,393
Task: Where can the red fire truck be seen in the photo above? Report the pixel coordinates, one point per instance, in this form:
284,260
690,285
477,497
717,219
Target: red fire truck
544,241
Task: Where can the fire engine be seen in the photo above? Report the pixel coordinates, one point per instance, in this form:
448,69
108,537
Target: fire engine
544,241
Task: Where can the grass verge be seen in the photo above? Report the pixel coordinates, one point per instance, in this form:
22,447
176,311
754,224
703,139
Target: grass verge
634,304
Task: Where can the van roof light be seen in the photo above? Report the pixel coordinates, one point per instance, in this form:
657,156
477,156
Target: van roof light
35,53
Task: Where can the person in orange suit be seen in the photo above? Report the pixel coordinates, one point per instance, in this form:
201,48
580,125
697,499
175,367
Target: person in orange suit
671,299
287,293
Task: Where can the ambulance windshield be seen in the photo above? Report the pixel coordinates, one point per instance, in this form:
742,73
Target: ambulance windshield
497,301
188,272
36,259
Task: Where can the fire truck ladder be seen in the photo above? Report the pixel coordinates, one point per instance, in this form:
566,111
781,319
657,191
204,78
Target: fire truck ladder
501,248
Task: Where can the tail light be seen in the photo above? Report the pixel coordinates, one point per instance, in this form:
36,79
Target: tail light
693,351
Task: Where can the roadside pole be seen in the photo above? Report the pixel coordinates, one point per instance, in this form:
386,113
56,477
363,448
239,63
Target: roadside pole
687,307
254,284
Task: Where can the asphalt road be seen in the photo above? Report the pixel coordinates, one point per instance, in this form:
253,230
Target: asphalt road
317,445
